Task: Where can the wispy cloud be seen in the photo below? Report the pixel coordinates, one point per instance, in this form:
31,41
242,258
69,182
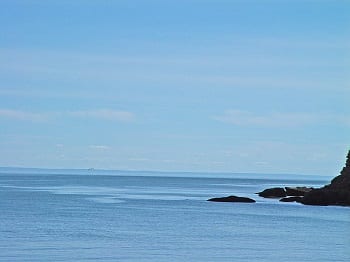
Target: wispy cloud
23,115
182,69
140,159
101,114
246,118
106,114
99,147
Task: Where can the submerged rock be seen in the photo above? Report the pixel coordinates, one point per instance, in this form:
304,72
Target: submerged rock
232,199
275,192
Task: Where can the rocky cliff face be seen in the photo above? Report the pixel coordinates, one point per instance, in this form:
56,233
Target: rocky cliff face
342,181
336,193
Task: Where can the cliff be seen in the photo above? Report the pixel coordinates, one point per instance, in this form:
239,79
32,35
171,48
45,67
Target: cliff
336,193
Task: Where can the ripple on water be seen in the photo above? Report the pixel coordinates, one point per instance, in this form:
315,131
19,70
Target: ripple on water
105,200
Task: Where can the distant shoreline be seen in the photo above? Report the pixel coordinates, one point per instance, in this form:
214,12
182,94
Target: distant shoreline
157,173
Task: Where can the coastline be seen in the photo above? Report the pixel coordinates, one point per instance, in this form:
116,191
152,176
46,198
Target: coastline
157,173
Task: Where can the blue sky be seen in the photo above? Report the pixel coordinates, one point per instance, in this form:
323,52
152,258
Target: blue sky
225,86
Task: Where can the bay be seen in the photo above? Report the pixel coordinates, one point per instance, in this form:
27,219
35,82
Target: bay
82,215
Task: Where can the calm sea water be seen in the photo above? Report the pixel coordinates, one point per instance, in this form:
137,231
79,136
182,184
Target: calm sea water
139,216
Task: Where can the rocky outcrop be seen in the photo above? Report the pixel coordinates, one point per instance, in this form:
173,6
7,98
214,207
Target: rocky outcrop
297,191
291,199
278,192
336,193
232,199
275,192
325,197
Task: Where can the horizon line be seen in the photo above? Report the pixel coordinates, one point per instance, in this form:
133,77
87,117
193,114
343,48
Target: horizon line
162,171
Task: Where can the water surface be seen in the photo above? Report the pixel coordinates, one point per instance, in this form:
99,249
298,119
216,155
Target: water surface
133,216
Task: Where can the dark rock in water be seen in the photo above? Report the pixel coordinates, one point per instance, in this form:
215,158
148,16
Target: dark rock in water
275,192
297,191
292,199
325,197
336,193
232,199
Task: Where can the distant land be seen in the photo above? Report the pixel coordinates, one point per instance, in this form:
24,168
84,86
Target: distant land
116,172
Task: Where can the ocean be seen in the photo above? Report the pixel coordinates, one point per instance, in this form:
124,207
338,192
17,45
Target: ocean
96,215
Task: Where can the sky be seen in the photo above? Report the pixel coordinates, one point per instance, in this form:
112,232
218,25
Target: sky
256,86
